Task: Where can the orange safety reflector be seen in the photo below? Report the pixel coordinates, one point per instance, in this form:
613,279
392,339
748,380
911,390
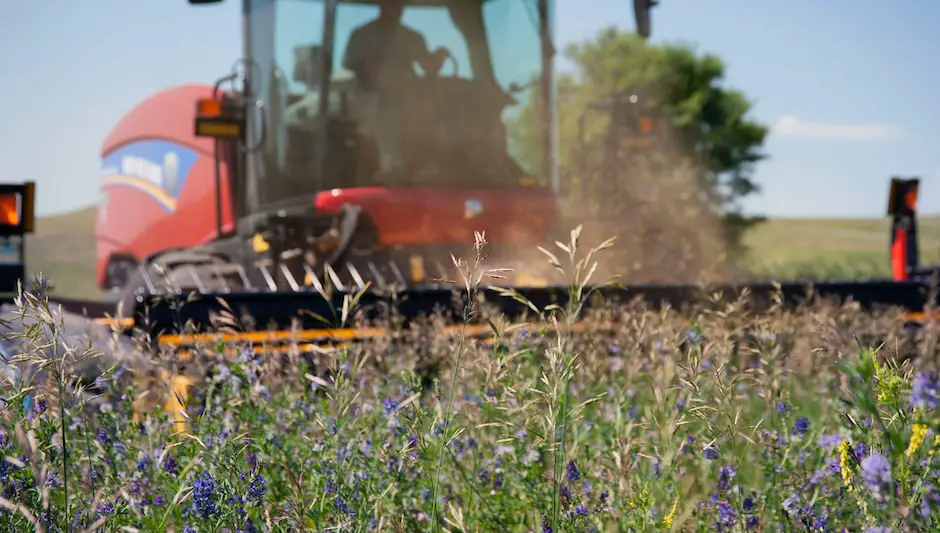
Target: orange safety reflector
646,125
921,316
209,107
899,256
10,209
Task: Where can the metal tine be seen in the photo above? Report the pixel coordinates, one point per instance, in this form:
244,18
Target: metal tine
244,276
314,279
171,287
289,277
218,273
195,275
267,277
334,277
147,279
360,283
398,275
441,270
377,275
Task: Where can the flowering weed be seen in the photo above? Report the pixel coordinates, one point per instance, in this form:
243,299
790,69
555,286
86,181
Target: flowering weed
708,419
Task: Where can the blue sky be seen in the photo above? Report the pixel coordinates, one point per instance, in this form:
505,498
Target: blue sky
849,86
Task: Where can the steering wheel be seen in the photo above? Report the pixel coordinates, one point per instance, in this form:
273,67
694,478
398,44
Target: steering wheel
444,54
456,65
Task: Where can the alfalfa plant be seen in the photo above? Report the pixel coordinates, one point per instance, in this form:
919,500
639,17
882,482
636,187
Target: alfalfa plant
562,357
45,354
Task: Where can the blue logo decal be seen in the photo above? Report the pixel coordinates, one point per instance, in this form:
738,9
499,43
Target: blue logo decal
155,167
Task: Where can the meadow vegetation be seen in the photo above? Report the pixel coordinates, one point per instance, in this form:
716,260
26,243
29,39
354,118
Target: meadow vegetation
712,418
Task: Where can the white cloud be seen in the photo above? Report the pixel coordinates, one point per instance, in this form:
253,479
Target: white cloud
791,126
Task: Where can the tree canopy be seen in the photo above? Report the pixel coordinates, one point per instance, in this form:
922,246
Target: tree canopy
710,133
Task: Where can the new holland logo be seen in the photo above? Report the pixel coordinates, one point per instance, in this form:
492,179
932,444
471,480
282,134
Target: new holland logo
472,208
155,168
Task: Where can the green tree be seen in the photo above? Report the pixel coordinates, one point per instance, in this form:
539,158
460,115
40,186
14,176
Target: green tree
710,134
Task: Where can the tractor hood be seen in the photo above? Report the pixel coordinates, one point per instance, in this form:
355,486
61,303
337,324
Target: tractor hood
420,216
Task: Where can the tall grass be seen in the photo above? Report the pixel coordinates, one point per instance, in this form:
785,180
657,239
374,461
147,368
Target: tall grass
817,419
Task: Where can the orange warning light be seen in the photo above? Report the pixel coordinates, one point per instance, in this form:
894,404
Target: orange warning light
910,199
209,107
646,125
10,209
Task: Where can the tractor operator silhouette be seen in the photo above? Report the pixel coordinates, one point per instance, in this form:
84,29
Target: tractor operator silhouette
382,54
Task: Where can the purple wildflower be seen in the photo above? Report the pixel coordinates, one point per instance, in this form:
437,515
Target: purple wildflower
792,504
256,489
876,471
170,465
727,515
861,450
546,527
829,442
725,476
925,390
204,495
573,473
748,504
340,505
105,509
801,426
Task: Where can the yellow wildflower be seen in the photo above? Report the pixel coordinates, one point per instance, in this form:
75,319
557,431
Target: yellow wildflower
845,450
667,522
917,438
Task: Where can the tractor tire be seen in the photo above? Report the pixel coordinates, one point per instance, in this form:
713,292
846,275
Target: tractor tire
183,272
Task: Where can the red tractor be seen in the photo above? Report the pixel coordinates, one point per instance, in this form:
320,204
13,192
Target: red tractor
338,152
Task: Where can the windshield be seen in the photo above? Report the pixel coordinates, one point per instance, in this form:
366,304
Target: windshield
514,39
402,123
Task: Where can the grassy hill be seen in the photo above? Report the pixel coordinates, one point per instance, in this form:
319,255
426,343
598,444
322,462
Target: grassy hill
63,248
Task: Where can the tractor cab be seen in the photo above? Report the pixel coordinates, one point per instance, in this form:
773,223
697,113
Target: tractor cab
352,134
344,98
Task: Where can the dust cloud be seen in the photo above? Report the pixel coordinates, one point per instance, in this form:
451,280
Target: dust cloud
666,221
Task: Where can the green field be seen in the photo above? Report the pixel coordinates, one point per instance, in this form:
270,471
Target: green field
837,248
64,249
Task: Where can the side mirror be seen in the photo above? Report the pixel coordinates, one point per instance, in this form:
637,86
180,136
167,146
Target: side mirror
641,12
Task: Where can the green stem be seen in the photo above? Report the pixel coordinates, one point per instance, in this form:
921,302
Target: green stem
450,400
